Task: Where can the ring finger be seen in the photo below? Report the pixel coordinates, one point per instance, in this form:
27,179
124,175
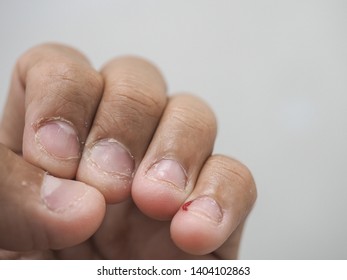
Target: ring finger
182,142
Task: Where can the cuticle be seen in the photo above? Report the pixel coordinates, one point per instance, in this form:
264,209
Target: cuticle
166,158
108,173
111,140
44,120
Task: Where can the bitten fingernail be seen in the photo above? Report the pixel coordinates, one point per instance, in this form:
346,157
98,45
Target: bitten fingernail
205,207
59,139
111,157
168,171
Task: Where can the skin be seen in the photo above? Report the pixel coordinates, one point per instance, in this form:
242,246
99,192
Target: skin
98,164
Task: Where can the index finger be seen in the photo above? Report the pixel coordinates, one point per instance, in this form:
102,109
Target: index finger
52,101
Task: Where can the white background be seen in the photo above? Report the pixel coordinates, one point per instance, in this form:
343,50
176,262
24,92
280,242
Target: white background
275,73
88,270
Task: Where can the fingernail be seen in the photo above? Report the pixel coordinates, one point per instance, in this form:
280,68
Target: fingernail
168,171
111,157
205,207
61,194
59,139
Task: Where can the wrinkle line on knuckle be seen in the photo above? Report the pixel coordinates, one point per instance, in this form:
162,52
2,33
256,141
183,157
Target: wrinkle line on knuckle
230,171
192,123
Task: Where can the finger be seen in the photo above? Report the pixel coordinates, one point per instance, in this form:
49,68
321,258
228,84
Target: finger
222,198
60,92
39,211
12,122
126,233
131,106
181,144
28,255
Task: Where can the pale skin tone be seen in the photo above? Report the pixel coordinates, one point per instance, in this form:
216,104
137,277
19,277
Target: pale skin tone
103,164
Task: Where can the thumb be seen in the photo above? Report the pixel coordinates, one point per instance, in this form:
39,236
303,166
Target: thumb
39,211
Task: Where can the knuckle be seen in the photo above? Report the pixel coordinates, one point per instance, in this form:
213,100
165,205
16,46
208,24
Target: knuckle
136,96
66,83
67,73
49,52
236,174
56,65
194,115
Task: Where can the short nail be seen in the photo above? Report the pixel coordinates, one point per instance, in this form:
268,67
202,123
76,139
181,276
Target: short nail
59,139
61,194
111,157
168,171
205,207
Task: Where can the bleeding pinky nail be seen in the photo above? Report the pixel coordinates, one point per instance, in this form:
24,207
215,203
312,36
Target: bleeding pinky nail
185,205
205,207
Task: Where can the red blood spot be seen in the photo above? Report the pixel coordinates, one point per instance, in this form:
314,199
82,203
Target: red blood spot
185,205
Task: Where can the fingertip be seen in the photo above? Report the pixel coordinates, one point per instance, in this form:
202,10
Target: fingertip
39,211
190,237
73,211
198,228
218,205
156,197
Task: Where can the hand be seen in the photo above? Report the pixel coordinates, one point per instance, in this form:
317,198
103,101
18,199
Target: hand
105,165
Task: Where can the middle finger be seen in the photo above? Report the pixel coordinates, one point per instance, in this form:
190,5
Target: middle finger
133,100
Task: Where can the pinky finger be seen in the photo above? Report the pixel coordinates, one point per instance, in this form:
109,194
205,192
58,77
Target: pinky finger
222,198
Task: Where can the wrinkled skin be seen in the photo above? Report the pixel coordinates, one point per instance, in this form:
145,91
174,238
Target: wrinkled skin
97,165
